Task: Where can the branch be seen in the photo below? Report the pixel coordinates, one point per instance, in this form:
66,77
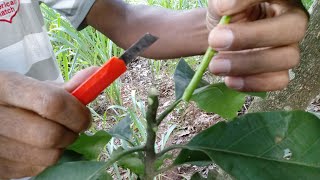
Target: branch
150,156
167,111
123,154
160,171
114,159
171,148
203,67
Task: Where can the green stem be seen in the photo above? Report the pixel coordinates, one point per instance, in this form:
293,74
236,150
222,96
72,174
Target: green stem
171,148
160,171
203,66
198,76
123,154
166,150
151,116
117,157
167,111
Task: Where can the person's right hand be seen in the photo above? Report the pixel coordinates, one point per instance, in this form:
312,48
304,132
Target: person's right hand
37,121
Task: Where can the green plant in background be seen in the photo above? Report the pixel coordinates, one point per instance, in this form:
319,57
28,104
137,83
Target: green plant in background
78,50
307,3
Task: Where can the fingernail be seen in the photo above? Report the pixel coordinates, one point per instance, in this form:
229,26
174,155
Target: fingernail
234,82
220,67
221,38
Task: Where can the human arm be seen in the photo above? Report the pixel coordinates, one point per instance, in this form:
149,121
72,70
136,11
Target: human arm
182,33
185,33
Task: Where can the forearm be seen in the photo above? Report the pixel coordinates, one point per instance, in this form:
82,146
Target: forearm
181,33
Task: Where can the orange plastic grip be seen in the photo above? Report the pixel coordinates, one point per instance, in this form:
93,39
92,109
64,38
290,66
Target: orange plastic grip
100,80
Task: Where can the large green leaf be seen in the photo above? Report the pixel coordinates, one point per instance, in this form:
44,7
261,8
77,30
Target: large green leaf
182,78
122,130
71,156
274,145
219,99
91,146
81,170
131,161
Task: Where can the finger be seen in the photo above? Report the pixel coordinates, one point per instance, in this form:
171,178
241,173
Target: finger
79,78
288,28
19,152
11,169
255,61
230,7
27,127
49,101
259,83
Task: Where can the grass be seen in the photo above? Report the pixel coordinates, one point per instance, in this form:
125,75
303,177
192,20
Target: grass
307,3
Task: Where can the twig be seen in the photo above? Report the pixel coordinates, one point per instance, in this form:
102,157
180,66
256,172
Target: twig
151,116
117,157
160,171
171,148
203,66
167,111
124,153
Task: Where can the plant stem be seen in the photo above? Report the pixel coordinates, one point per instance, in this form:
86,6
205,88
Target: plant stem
150,154
160,171
170,148
124,153
203,66
167,111
117,157
198,76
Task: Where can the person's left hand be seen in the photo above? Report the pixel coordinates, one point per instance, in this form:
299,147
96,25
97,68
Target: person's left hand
260,45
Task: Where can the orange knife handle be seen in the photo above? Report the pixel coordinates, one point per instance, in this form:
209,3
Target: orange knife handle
100,80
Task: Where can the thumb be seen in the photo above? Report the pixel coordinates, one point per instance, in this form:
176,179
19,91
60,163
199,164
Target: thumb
79,78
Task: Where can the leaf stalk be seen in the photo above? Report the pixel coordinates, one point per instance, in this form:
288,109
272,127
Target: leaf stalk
210,53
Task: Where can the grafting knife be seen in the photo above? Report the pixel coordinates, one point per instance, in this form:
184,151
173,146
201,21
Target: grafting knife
111,70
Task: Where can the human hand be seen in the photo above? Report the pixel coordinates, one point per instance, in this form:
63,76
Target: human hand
260,45
37,121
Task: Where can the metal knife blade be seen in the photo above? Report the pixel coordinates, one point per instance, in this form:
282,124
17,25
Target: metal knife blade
138,47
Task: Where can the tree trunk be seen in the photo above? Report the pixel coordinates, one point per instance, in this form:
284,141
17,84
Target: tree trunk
306,83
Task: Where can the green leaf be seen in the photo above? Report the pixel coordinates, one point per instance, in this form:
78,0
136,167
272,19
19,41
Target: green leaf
131,161
91,146
122,130
182,78
161,160
274,145
71,156
219,99
316,113
81,170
